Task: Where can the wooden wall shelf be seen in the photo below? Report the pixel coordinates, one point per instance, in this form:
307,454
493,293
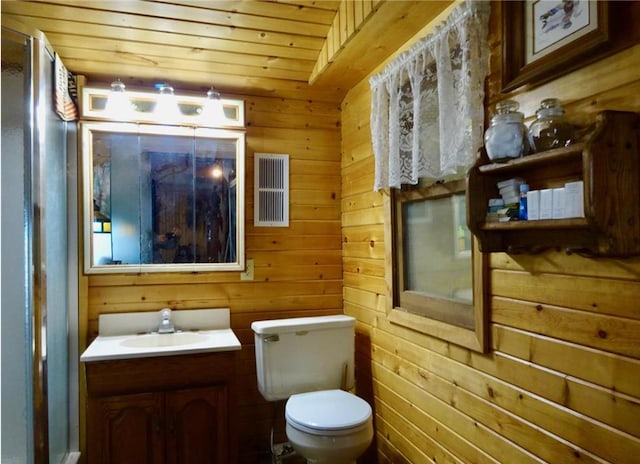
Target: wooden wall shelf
608,164
540,224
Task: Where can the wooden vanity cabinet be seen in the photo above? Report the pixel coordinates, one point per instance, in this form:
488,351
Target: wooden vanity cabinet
608,164
126,428
162,410
196,425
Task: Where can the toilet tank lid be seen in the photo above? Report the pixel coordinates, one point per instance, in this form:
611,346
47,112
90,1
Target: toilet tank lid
298,324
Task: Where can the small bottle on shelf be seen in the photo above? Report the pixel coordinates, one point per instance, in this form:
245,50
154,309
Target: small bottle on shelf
522,210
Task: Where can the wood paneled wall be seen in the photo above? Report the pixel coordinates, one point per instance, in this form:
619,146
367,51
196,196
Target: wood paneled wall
298,270
561,383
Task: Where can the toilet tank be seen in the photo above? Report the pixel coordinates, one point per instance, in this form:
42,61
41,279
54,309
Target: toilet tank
304,354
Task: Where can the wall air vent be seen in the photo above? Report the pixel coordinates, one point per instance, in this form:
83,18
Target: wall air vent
271,190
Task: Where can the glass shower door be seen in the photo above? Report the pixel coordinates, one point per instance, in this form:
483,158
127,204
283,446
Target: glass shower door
17,376
35,275
53,243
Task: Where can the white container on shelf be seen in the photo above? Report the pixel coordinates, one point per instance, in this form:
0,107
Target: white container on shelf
506,138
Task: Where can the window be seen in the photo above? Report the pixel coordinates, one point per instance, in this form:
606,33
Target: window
436,272
427,119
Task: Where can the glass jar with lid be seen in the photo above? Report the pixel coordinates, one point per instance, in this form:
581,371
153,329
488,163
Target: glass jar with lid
550,129
506,137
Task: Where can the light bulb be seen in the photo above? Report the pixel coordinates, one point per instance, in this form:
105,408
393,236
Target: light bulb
166,109
216,171
212,112
118,105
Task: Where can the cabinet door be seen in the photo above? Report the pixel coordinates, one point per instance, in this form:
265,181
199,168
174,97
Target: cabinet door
126,429
197,426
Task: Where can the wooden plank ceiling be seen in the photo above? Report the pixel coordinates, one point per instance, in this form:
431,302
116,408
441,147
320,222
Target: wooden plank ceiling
288,48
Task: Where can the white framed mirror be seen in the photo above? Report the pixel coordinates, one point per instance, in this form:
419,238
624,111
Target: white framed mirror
161,198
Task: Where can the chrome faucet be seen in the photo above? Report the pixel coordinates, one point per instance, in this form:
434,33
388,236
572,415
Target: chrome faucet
166,324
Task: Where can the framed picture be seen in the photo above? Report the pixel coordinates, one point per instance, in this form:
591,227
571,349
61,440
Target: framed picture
544,39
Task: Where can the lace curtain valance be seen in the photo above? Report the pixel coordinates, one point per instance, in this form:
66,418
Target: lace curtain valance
427,105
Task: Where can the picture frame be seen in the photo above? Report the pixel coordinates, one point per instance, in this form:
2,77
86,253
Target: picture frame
543,41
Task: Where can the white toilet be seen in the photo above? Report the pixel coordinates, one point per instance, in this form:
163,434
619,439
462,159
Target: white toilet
309,360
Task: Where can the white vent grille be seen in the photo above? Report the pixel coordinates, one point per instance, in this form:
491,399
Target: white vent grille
271,190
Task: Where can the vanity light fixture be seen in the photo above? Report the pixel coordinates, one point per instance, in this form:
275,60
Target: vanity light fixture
118,105
162,106
166,109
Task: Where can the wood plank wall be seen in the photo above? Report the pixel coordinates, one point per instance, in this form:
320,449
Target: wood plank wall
561,383
298,270
347,22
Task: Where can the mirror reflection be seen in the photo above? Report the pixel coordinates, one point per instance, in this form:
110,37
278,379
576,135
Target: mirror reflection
162,198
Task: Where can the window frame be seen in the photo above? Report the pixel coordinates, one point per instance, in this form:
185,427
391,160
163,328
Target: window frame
475,335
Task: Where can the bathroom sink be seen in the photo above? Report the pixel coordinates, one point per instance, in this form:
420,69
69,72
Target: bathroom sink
153,344
134,335
154,340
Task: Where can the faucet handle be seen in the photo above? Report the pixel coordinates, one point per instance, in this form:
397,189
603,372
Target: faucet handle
166,325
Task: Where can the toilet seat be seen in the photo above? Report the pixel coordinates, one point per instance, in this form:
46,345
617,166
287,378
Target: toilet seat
328,412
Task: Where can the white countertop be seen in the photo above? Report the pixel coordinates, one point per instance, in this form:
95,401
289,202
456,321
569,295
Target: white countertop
130,335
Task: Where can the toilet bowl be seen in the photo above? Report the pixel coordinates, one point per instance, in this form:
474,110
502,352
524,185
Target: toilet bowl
328,426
